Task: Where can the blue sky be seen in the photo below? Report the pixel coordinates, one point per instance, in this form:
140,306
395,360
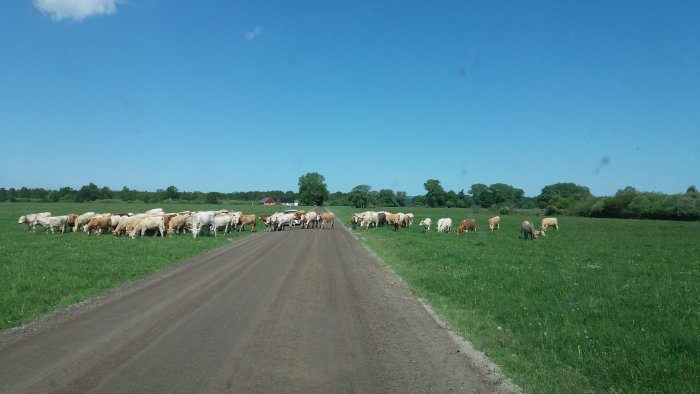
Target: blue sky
250,95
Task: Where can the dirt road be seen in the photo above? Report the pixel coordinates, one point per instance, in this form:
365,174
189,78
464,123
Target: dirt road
290,311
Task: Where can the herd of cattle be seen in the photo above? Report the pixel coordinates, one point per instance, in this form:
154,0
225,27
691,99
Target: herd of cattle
157,222
370,219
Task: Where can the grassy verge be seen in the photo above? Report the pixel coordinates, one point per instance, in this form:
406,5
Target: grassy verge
598,306
40,272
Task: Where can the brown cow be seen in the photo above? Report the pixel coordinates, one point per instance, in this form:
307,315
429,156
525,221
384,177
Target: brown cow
327,217
466,225
246,219
99,224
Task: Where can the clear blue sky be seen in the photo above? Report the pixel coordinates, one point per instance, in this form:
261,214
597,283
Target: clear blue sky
250,95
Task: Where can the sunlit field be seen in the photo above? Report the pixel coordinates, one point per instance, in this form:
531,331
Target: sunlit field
41,272
602,305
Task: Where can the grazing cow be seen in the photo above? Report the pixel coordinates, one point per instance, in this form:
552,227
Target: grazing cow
99,224
200,220
82,220
410,219
58,223
150,222
71,220
444,225
466,225
426,223
177,224
30,219
382,219
495,223
371,219
125,225
393,218
327,217
247,219
546,222
528,230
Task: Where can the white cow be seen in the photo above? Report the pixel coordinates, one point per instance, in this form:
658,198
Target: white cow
82,220
30,219
222,220
200,220
444,225
284,219
426,223
148,223
309,218
370,219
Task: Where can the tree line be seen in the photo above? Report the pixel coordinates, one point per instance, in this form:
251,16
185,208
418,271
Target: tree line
556,199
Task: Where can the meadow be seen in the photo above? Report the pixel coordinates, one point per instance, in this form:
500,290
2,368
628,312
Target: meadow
601,305
41,272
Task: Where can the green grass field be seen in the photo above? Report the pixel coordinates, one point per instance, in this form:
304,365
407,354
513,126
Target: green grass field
41,272
598,306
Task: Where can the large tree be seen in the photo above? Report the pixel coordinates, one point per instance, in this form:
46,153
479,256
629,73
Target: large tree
435,196
360,196
312,189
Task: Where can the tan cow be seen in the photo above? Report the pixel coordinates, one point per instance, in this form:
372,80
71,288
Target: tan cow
327,217
176,224
466,225
246,219
154,222
546,222
99,224
495,223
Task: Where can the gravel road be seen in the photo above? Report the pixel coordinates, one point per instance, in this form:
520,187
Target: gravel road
294,311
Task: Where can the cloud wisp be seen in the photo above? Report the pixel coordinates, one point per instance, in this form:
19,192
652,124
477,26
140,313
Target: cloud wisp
253,34
76,10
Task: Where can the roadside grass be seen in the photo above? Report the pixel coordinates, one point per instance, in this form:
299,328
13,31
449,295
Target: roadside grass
602,305
41,272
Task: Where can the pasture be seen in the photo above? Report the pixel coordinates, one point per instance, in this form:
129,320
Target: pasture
41,272
602,305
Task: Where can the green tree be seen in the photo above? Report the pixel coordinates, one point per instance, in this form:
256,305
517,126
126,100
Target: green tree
386,198
482,195
435,196
87,193
312,189
359,196
569,191
212,198
171,193
401,199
